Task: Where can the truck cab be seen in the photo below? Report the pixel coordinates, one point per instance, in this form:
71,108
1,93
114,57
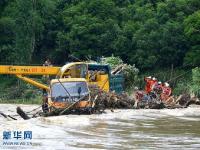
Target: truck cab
67,91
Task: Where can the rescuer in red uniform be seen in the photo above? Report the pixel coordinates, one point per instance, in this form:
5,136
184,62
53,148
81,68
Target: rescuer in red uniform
158,87
150,82
166,92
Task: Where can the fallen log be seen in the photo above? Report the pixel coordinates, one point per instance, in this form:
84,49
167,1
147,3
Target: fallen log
193,100
12,117
6,116
184,99
22,114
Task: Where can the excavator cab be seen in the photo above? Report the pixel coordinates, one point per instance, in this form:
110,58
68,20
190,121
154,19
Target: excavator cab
73,70
68,91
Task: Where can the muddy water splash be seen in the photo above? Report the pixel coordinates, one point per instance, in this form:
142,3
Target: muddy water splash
123,129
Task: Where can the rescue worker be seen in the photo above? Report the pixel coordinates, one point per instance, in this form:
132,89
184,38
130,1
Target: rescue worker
47,62
151,93
166,92
153,82
148,84
158,87
45,107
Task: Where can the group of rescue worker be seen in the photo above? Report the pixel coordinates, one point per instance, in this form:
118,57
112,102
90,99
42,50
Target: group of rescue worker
160,89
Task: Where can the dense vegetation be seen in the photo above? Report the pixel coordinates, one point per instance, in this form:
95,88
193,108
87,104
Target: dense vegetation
148,33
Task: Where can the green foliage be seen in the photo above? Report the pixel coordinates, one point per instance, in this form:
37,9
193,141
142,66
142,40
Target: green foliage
146,33
6,39
131,76
36,100
182,86
22,24
130,72
90,27
6,81
11,89
195,87
192,31
112,61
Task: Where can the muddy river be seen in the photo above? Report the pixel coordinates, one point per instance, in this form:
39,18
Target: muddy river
121,129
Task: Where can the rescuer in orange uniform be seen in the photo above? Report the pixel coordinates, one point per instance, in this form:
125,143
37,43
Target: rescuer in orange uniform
153,82
150,82
148,85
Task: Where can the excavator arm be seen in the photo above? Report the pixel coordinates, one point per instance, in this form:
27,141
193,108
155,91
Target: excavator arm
73,70
20,71
29,70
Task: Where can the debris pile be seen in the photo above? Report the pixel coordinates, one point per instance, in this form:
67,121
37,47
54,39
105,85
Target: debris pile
111,100
186,100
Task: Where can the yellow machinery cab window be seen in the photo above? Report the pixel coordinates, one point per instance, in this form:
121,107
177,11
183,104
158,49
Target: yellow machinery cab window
68,91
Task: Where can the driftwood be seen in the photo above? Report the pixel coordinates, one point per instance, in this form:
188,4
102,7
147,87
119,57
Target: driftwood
118,69
186,100
110,100
22,113
7,116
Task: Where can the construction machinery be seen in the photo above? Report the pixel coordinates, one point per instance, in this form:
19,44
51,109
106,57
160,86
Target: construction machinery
69,86
99,75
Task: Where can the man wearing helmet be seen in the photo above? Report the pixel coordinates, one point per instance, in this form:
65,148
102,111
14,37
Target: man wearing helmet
166,92
148,84
153,82
158,87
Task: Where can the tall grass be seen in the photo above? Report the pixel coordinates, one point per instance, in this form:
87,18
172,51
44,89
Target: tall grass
16,91
195,86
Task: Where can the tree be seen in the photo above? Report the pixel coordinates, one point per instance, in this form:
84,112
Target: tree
6,35
148,33
28,19
90,28
192,31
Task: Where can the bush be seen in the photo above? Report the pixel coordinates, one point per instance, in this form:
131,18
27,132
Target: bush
112,61
130,71
182,87
195,86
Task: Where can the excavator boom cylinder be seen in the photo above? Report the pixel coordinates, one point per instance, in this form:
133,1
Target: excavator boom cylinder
33,82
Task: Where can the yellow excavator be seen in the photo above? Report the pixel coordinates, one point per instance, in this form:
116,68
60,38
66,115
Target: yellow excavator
69,88
99,77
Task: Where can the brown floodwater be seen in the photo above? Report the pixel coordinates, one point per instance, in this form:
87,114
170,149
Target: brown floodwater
121,129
